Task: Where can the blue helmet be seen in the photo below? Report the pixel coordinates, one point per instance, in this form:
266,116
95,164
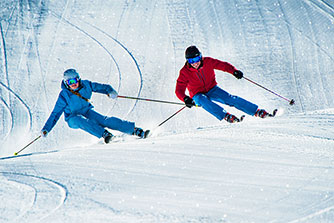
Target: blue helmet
70,74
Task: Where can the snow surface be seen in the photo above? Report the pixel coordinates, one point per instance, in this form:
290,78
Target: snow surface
193,168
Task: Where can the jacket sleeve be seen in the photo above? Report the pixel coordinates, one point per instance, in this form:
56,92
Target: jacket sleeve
56,113
181,86
101,88
223,66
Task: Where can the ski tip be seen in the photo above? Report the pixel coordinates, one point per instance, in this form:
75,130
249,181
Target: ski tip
274,113
242,118
292,102
147,132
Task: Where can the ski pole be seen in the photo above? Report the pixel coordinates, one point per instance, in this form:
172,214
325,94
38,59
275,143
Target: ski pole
171,116
15,154
291,102
151,100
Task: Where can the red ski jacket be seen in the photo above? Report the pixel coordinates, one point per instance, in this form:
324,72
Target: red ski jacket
200,80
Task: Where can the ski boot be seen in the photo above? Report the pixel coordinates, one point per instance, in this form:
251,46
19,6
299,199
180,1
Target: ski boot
107,136
140,133
261,113
231,118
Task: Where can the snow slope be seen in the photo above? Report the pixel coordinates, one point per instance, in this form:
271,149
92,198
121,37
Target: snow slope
193,168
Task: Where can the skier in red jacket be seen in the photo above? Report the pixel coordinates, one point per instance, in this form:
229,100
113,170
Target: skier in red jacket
198,76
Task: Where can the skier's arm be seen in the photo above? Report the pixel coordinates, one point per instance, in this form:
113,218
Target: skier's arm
181,86
227,67
55,114
103,88
223,66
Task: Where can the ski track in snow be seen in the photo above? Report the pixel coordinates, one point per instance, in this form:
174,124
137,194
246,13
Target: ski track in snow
60,18
48,196
6,132
134,61
304,34
317,55
323,7
137,156
26,109
293,59
99,42
4,55
295,32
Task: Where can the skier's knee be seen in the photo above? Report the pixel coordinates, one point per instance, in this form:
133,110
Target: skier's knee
74,122
199,99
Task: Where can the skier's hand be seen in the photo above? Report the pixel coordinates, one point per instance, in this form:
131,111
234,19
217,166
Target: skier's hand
238,74
44,133
188,101
113,94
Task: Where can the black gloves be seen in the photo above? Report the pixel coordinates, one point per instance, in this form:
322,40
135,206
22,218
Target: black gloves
238,74
188,101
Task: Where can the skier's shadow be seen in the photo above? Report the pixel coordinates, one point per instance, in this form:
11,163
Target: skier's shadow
28,154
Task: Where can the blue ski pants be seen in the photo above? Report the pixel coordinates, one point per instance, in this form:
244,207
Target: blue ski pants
94,123
205,100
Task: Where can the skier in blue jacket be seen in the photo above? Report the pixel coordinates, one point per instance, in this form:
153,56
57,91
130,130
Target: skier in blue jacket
73,101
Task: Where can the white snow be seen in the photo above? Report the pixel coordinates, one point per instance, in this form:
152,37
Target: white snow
193,168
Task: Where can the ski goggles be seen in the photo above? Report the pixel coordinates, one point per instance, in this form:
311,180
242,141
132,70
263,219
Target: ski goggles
72,81
195,59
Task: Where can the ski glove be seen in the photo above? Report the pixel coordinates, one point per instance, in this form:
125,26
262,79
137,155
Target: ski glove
113,94
44,133
188,101
238,74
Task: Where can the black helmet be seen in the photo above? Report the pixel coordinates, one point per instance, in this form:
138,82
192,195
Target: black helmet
192,52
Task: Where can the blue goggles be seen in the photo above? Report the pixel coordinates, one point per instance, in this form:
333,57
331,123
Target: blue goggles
72,81
195,59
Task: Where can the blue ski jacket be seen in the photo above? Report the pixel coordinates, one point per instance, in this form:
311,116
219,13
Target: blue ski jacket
73,105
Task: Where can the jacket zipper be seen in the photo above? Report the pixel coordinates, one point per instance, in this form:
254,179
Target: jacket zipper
201,77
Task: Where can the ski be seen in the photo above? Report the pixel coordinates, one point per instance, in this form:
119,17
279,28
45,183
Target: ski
241,118
146,133
233,119
273,114
238,119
